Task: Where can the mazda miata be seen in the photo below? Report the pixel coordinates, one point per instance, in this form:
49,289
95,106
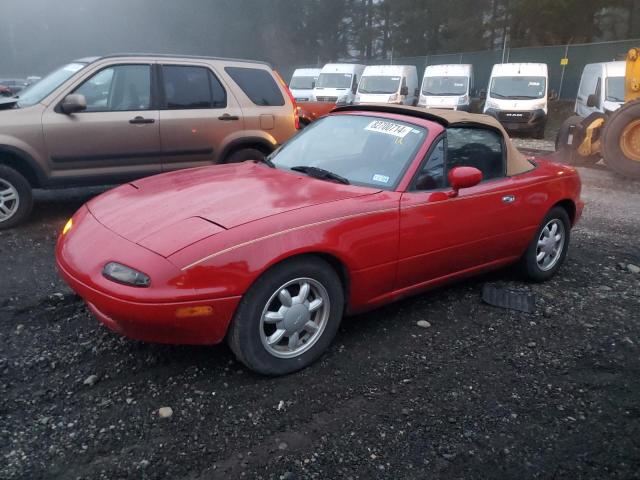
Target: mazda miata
368,205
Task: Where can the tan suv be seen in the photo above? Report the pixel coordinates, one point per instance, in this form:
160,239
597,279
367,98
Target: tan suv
115,118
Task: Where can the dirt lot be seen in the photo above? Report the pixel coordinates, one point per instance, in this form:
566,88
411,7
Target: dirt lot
482,393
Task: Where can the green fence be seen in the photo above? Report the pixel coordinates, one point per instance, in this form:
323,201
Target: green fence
565,83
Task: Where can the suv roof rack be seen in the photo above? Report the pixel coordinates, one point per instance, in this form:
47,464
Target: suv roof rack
169,55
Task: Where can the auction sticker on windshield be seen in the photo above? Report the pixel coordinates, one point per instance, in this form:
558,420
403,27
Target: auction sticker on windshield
389,128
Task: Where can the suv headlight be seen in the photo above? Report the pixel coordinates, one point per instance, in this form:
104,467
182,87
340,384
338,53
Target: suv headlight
463,100
393,98
491,104
119,273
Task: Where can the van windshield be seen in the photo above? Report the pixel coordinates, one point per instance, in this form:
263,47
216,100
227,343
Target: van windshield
614,90
379,84
334,80
302,83
38,91
518,88
445,86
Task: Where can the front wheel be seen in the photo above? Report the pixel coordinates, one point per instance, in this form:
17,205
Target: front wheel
288,317
548,248
16,199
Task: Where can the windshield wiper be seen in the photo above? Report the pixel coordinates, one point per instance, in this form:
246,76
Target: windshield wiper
498,95
320,173
267,161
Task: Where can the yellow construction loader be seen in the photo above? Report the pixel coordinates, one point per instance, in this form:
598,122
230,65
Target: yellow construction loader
615,136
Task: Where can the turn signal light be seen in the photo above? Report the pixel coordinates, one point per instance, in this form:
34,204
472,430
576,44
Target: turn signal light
67,226
199,311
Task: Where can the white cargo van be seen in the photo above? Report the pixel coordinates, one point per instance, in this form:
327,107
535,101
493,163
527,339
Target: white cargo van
601,88
303,82
388,84
447,86
338,82
517,96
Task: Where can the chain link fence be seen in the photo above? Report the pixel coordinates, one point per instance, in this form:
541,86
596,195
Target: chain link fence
564,79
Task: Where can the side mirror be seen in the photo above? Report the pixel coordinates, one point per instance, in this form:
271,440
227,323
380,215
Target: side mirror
313,84
416,92
463,177
483,94
73,103
592,100
404,90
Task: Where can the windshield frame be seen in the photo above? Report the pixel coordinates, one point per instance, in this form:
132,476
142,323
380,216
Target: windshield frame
426,93
607,89
46,85
396,89
334,75
540,78
402,173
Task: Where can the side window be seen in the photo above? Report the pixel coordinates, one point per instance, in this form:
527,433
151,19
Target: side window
431,174
476,147
187,87
118,88
258,85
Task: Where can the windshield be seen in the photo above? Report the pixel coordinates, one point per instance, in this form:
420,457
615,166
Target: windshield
614,91
518,88
302,83
368,151
36,92
334,80
445,86
379,84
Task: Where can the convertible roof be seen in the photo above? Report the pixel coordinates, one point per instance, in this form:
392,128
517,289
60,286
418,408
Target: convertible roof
516,162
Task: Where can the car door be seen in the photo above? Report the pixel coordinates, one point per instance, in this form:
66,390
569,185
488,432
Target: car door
198,115
442,236
116,135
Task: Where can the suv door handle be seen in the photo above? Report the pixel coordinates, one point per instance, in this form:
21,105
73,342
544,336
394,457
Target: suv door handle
508,199
141,120
227,117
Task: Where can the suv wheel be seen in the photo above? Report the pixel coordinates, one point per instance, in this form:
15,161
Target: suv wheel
16,199
244,154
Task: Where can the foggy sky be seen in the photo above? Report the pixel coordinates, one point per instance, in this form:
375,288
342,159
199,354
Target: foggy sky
36,36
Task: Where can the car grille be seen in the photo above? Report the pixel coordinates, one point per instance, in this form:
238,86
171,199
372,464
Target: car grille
515,117
327,99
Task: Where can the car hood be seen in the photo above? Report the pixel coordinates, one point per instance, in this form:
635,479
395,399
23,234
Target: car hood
168,212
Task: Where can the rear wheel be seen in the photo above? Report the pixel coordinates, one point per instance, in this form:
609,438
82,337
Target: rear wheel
288,318
244,154
548,248
16,200
570,151
621,140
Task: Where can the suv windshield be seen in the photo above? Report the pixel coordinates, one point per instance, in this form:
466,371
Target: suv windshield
518,88
614,91
368,151
379,84
445,86
302,83
334,80
36,92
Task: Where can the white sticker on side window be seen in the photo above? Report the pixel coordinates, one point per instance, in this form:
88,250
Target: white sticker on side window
380,178
389,128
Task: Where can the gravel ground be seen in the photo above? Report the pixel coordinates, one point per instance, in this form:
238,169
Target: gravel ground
478,392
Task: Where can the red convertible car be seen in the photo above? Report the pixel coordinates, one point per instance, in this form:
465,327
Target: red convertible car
367,205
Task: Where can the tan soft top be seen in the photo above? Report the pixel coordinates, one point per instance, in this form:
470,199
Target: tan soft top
516,162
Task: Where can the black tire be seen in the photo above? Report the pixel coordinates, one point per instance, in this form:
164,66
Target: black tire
562,137
245,332
570,153
529,265
11,179
539,133
244,154
612,151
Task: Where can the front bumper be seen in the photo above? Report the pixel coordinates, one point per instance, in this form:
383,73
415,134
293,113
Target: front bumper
163,314
520,121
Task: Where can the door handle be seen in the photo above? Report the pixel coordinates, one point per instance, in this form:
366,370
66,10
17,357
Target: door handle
141,120
508,199
227,117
